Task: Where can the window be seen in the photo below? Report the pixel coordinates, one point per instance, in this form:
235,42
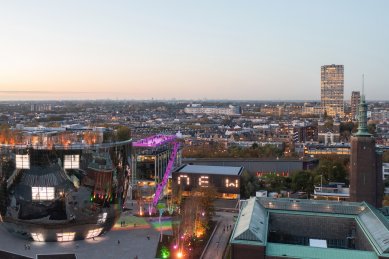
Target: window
22,162
67,236
42,193
102,218
37,237
71,162
94,232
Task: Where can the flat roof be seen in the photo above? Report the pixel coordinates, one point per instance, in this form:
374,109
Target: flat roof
298,251
208,169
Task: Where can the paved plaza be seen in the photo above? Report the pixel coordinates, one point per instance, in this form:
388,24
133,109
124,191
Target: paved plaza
133,242
133,238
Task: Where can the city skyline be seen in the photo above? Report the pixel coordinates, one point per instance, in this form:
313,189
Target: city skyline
220,50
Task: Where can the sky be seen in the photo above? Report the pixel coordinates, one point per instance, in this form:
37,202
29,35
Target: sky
219,49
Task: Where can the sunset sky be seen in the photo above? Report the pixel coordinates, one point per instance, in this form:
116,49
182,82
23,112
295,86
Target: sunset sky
253,50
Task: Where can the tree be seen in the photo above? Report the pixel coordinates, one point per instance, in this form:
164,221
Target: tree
123,133
332,171
385,157
255,145
275,183
248,185
197,211
303,181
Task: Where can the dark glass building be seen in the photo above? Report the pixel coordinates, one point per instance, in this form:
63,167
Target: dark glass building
62,186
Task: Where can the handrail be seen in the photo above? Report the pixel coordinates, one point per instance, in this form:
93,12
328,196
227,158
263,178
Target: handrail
165,179
66,147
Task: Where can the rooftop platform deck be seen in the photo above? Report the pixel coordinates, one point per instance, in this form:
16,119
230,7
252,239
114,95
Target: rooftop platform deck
154,141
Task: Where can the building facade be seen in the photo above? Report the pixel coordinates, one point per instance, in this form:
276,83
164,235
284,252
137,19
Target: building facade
365,164
224,179
355,100
329,132
275,228
149,163
199,109
332,88
66,189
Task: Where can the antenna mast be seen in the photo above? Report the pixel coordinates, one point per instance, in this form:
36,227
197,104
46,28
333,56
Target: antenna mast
363,84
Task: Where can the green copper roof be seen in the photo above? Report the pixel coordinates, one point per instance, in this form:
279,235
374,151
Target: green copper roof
252,223
362,118
307,252
252,227
376,226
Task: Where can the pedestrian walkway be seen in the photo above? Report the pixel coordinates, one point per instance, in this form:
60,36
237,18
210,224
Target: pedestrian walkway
219,241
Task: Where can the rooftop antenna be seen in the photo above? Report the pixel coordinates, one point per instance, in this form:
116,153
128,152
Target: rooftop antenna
363,84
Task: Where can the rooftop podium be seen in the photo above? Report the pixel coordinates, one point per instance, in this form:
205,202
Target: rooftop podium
154,141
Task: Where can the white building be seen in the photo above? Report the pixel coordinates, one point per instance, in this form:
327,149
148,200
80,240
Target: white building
230,110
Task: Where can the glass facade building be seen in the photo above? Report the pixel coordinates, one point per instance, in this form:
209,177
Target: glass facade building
62,191
332,88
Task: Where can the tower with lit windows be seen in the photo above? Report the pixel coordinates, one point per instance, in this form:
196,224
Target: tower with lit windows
332,87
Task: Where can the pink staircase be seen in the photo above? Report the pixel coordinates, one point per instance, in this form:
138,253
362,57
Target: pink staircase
165,179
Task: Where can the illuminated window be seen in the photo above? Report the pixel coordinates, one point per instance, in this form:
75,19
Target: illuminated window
94,232
67,236
183,176
37,237
102,218
232,184
42,193
22,161
71,162
203,181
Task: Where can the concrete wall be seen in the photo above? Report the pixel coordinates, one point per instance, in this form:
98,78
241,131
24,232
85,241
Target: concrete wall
239,251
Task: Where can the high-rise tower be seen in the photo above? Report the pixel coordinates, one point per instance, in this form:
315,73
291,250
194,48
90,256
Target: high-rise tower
355,100
332,87
366,164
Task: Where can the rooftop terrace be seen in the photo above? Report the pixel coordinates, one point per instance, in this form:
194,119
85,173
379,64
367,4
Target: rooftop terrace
154,141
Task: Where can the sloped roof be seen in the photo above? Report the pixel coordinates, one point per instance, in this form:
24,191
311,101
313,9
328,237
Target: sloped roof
376,226
297,251
316,206
252,223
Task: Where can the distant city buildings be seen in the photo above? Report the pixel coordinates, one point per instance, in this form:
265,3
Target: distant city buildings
40,107
199,109
329,132
355,100
332,87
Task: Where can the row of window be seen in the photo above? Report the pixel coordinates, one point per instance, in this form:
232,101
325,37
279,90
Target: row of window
67,236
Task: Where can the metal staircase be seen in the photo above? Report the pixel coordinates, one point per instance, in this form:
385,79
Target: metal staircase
168,171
